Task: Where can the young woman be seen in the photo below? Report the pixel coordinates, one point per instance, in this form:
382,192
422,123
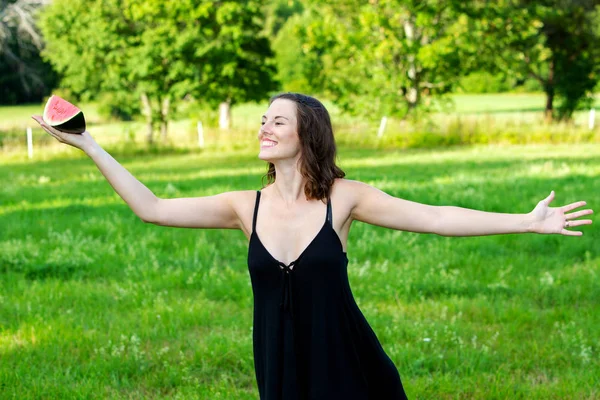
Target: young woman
311,341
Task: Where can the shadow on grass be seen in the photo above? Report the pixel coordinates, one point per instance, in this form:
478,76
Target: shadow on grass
496,191
63,270
479,184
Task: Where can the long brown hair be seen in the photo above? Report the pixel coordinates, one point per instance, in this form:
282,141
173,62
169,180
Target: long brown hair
317,161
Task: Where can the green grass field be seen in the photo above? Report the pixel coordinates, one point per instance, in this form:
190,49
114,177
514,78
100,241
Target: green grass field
96,304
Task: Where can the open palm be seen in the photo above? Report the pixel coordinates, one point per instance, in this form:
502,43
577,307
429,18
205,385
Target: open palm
556,220
79,141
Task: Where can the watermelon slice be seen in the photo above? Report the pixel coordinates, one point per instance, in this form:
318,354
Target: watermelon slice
63,115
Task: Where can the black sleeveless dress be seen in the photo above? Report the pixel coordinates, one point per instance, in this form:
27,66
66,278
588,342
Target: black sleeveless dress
311,341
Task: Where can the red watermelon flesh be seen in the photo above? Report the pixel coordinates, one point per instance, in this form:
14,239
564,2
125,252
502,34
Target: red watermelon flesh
63,115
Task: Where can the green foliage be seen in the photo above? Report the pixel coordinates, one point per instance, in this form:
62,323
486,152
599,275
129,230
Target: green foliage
484,82
281,19
118,105
298,68
400,57
530,85
195,110
164,49
277,12
499,82
380,58
554,42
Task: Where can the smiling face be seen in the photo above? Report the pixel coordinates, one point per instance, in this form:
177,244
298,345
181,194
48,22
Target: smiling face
278,135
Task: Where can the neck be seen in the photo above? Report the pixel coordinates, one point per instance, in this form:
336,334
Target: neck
289,183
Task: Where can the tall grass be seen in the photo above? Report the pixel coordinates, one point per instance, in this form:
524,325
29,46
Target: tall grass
474,119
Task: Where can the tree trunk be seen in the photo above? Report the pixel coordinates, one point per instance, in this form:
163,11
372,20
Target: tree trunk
225,115
412,95
164,118
549,89
147,112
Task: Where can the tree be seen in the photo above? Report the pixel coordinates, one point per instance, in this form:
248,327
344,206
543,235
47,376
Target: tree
552,41
160,51
384,57
277,12
23,75
300,65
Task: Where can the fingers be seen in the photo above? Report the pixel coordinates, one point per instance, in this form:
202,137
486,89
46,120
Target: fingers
578,214
573,206
549,199
580,222
40,120
53,132
571,233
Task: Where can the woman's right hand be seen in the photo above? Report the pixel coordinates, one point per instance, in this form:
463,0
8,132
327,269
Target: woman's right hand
81,141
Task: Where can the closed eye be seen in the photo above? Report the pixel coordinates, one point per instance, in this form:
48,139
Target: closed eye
276,123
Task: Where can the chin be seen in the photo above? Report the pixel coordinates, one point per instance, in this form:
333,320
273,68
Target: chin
272,158
265,158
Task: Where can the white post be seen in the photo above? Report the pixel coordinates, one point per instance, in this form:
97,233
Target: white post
382,127
592,118
29,143
200,134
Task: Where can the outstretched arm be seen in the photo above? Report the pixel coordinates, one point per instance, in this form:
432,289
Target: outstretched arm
373,206
456,221
218,211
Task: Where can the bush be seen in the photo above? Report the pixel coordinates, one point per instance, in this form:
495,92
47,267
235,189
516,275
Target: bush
530,85
484,82
121,106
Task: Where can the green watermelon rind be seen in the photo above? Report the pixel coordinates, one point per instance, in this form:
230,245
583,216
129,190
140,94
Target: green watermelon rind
72,120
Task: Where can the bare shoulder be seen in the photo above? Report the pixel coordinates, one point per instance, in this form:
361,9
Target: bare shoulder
240,197
347,189
346,194
359,197
348,184
243,201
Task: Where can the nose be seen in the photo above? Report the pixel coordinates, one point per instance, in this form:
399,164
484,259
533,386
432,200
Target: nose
262,130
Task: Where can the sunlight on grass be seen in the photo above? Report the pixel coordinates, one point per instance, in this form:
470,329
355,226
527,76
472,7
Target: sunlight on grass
129,308
25,337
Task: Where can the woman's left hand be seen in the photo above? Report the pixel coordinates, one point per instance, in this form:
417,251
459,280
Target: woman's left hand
556,220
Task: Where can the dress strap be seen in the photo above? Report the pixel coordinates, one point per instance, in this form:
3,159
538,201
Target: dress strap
255,210
329,217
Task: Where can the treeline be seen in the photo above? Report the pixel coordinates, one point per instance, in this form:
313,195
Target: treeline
398,57
378,57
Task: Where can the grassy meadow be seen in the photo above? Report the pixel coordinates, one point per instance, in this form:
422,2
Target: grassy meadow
507,118
95,304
